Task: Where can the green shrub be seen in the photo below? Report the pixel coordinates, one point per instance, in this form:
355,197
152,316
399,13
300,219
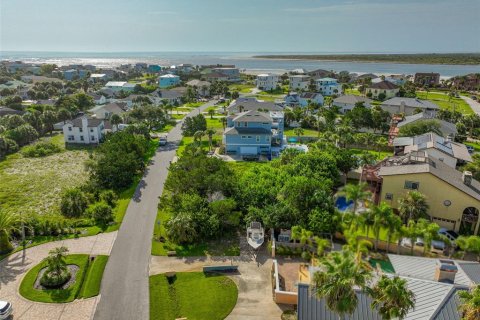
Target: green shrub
41,149
100,212
74,203
53,281
109,197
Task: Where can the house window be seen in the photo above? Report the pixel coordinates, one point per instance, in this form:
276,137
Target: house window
389,196
91,130
81,138
81,129
71,138
92,138
258,138
69,128
411,185
244,137
249,137
267,138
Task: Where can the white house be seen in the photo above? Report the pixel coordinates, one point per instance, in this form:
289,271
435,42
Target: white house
168,80
306,97
84,130
98,98
97,77
267,81
117,86
389,89
328,86
348,101
299,82
233,74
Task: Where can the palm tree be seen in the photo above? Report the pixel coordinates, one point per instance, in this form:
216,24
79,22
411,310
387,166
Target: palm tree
296,233
413,206
411,232
115,120
322,244
381,214
56,263
356,193
210,133
470,306
360,247
298,132
429,232
367,219
337,281
392,298
211,113
394,226
9,222
197,136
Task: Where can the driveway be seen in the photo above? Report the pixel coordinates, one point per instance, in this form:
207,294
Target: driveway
255,300
14,268
475,105
124,292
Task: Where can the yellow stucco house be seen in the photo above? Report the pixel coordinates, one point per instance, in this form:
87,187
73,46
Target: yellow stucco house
453,196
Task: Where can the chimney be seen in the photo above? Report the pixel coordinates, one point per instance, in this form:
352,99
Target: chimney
467,178
445,271
402,106
84,122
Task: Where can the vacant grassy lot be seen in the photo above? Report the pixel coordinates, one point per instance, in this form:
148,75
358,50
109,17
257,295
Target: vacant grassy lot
243,88
306,133
34,185
446,102
193,295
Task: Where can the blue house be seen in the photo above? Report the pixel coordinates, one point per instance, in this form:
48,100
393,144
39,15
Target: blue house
154,68
328,86
168,80
70,74
292,99
253,134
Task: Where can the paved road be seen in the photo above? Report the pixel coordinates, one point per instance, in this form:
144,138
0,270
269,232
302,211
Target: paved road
475,105
124,292
14,267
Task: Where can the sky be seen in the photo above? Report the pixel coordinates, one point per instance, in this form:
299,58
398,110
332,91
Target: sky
400,26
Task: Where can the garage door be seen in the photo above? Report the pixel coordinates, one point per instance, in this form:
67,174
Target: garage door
248,150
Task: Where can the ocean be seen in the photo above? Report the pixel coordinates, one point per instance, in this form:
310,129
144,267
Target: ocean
242,60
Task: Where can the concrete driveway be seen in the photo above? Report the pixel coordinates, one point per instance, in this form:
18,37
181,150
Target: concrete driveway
475,105
14,268
124,292
255,300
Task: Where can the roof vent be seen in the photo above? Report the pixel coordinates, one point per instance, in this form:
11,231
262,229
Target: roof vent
467,178
445,271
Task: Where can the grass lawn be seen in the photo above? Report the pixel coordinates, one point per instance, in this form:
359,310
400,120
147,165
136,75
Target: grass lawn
177,116
379,155
242,88
306,133
229,246
445,102
34,185
87,281
353,91
475,145
193,295
93,278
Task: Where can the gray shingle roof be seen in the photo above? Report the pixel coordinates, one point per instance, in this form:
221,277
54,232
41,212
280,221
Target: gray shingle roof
253,116
445,127
351,99
411,102
249,104
437,168
384,85
92,123
237,131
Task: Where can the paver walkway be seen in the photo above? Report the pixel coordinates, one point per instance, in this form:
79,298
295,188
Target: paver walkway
14,268
255,297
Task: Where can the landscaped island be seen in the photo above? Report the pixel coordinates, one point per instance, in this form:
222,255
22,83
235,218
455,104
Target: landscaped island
421,58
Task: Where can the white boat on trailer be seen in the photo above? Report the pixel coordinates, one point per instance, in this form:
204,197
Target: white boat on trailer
255,235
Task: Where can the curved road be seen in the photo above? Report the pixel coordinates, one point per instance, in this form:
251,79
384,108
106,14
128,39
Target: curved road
125,292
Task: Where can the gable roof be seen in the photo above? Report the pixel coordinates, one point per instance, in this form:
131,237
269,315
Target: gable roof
250,104
384,85
253,116
114,108
416,163
351,99
310,95
411,102
242,130
7,111
198,83
91,122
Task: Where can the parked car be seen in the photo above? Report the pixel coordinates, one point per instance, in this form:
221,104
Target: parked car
6,309
449,234
162,140
474,97
470,149
419,242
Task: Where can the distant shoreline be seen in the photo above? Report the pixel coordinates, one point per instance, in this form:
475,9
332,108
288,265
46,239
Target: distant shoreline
433,58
